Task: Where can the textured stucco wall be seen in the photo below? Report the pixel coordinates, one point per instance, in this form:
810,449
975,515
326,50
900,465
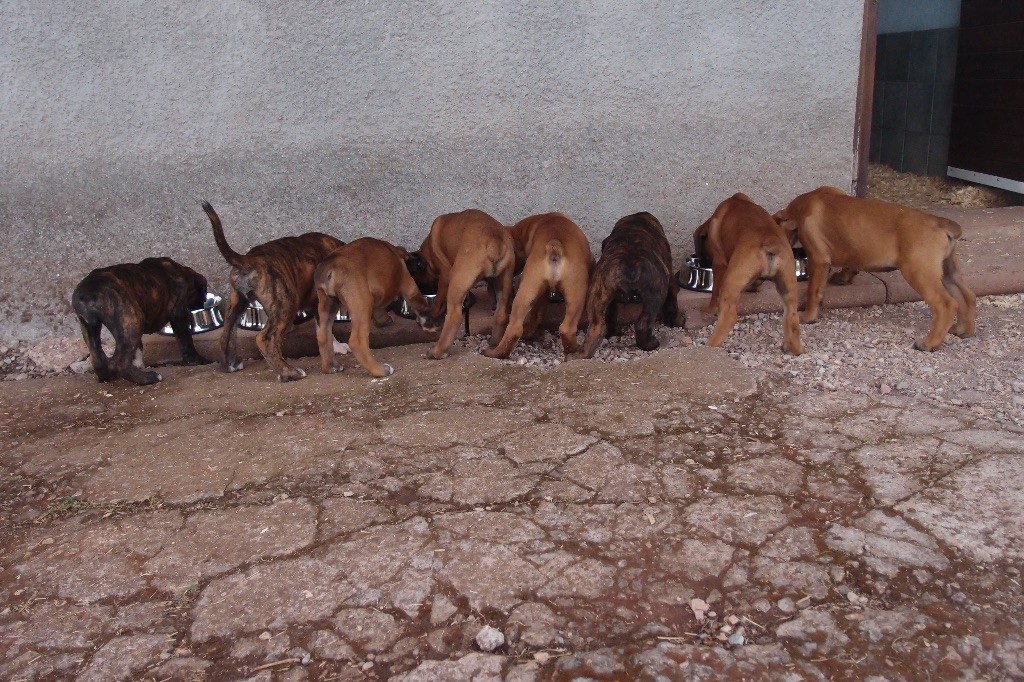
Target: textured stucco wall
373,117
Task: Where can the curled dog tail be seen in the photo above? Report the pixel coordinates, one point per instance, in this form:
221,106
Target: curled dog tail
555,251
230,255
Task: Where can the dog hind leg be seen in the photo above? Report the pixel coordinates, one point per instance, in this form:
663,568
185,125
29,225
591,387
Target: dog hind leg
926,278
269,341
91,333
531,289
359,341
599,301
575,304
237,304
785,284
128,349
670,309
327,308
457,291
737,277
954,282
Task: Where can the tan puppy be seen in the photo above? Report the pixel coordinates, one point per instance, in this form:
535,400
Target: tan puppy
364,276
867,234
461,250
554,255
746,245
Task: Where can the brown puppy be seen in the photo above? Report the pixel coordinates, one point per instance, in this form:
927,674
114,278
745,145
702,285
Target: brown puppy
461,250
867,234
746,245
554,255
635,267
135,299
365,276
278,274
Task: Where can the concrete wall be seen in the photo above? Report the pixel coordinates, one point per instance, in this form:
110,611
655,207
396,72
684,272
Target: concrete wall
373,117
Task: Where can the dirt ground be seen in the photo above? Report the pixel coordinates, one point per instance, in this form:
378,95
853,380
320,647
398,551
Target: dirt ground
674,516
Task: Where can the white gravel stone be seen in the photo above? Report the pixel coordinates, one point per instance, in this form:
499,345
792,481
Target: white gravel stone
489,638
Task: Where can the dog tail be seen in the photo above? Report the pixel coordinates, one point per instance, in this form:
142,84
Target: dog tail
555,251
951,228
230,255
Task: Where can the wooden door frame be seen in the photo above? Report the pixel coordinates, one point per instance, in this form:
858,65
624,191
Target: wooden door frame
865,98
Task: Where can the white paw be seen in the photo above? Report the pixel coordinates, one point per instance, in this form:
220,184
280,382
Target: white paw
391,370
159,377
341,348
301,371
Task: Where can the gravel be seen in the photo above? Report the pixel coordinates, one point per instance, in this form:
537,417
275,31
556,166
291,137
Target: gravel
859,350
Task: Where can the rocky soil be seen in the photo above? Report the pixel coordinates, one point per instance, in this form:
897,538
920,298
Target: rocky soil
675,516
860,350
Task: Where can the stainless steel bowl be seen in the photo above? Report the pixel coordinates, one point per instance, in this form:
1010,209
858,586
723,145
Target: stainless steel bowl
699,277
401,306
204,319
254,317
801,264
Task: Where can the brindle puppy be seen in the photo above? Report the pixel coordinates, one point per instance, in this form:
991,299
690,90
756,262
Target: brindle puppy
133,299
635,267
278,274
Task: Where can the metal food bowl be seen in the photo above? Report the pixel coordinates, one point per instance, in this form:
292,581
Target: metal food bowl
204,319
254,317
699,276
401,306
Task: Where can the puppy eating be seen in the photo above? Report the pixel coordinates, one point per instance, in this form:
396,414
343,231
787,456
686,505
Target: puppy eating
365,276
855,234
461,250
135,299
278,274
635,266
746,245
554,255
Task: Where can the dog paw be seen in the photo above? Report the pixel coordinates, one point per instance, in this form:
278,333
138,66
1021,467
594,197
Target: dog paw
341,348
920,345
294,375
148,378
333,368
232,367
391,370
804,319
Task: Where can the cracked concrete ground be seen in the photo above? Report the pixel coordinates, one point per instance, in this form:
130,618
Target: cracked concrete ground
666,518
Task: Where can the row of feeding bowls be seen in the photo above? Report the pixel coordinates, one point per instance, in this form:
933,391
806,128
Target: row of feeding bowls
401,306
254,317
700,278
